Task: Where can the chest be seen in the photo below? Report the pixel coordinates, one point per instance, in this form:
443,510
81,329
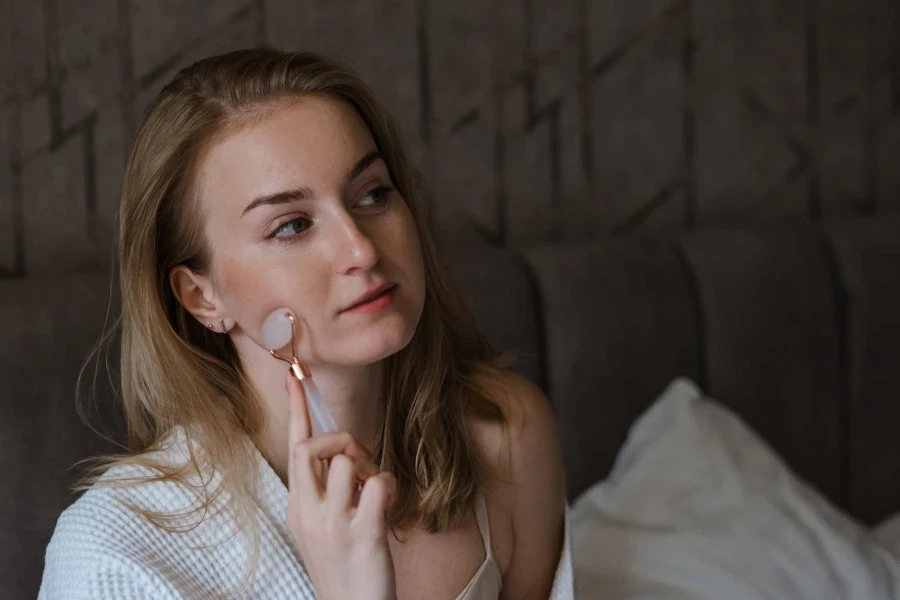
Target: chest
437,565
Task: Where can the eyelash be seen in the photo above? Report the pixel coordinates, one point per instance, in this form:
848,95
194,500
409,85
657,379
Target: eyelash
382,191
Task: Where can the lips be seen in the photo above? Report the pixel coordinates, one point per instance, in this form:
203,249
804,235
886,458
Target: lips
370,295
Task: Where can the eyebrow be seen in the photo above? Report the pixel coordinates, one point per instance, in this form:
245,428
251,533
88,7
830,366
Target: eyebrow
305,193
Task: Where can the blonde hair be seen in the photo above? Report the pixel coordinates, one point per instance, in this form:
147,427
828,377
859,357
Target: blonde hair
175,372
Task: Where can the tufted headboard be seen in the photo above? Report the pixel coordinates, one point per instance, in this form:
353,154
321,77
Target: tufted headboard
798,329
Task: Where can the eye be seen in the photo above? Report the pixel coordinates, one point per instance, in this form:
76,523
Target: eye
291,228
375,197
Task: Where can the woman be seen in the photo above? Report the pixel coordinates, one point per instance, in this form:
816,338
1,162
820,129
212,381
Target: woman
258,180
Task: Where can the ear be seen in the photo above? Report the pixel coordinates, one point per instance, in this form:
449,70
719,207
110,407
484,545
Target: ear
196,294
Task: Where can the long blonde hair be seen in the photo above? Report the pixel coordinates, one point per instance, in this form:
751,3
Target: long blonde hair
175,372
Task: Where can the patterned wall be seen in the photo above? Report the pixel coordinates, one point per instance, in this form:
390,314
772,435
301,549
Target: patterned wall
538,119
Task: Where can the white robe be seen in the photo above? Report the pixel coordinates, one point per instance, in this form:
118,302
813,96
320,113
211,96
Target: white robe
101,549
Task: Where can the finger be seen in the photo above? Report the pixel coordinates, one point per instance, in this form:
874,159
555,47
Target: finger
327,445
376,498
298,423
344,475
313,453
306,474
341,483
300,427
367,454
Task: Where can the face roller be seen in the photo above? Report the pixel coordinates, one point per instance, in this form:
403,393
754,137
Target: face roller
278,331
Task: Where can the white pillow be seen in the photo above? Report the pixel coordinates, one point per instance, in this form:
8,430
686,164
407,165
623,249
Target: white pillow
888,534
697,506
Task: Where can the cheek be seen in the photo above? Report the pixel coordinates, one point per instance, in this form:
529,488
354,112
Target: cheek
404,235
407,256
417,263
255,286
247,288
236,286
412,248
227,276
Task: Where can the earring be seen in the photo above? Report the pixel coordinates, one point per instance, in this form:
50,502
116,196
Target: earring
222,325
209,325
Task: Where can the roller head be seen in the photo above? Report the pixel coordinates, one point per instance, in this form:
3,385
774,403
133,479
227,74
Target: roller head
277,330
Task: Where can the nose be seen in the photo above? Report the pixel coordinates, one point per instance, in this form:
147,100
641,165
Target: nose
356,251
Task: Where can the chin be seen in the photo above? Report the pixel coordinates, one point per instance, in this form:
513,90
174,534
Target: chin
378,341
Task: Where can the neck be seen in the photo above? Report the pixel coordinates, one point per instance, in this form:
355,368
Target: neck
353,396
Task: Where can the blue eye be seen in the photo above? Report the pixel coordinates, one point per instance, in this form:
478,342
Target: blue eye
378,196
291,228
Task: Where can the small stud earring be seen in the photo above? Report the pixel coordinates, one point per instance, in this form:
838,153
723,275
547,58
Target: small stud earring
209,325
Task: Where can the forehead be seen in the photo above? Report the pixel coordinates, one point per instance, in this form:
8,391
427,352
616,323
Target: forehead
309,141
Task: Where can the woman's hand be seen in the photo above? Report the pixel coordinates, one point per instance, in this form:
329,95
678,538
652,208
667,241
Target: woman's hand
343,543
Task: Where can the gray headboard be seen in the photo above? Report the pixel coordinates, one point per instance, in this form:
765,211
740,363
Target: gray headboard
795,328
798,329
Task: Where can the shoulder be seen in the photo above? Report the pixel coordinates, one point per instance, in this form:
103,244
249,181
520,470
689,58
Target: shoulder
107,528
527,500
527,444
90,553
107,516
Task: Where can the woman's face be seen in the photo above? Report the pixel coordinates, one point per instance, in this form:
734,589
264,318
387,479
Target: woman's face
300,212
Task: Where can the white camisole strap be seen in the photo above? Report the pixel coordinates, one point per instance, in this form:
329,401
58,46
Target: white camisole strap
486,583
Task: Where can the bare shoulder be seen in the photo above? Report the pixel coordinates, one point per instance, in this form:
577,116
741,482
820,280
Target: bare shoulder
529,431
528,495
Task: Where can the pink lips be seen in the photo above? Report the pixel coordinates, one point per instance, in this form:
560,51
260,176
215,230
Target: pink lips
373,302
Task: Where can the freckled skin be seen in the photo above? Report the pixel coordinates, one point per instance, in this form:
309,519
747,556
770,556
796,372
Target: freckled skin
317,256
330,249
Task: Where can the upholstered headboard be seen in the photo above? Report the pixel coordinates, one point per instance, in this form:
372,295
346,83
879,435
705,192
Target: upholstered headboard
798,329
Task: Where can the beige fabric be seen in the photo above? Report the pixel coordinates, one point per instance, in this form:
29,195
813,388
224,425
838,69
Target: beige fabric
486,583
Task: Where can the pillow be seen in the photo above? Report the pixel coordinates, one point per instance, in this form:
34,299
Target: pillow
697,506
888,534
